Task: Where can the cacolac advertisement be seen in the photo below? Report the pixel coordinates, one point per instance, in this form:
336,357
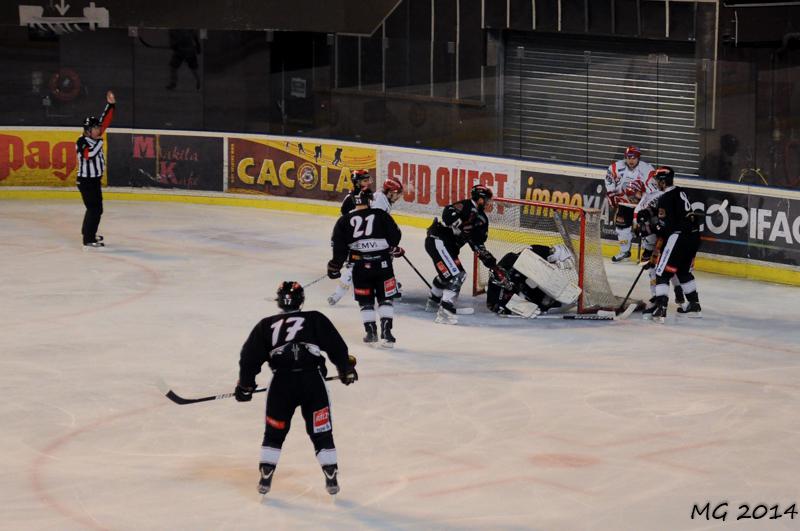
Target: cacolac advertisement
39,158
295,169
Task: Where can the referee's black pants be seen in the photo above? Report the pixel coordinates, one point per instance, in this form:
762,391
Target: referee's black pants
92,196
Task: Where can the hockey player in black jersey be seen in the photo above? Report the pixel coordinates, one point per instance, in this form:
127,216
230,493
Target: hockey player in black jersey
678,230
513,293
369,238
463,223
292,343
361,180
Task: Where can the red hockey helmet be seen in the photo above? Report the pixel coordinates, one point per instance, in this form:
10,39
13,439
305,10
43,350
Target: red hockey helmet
392,184
632,152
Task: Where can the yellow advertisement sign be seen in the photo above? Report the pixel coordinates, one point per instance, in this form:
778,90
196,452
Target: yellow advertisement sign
39,157
309,170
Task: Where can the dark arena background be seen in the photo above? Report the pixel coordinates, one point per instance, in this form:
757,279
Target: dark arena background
236,129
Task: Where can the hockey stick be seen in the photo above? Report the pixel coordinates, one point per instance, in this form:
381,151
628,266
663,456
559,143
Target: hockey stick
315,281
417,271
175,397
460,311
622,305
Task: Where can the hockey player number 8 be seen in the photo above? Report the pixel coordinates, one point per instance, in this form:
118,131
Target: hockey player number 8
356,223
295,325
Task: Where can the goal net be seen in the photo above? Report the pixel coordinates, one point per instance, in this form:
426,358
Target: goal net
515,224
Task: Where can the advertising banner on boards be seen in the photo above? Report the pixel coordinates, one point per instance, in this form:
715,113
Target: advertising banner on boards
184,162
740,224
295,169
39,157
432,181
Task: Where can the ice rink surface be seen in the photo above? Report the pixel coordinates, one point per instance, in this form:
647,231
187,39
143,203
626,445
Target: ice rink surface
491,424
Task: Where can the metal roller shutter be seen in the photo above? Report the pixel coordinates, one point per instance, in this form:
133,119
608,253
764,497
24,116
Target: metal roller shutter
583,106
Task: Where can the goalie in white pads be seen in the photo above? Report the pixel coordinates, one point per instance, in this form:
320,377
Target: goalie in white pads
536,279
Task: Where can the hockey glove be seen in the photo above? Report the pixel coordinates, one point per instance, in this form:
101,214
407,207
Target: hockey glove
561,257
334,269
486,257
243,393
653,259
348,374
397,252
500,278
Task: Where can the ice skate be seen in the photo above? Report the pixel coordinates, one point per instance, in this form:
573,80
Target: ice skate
446,314
619,257
265,483
331,481
659,314
692,310
680,300
387,339
334,298
93,245
432,304
372,332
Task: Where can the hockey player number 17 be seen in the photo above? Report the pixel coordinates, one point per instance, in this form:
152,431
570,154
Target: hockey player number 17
295,325
356,223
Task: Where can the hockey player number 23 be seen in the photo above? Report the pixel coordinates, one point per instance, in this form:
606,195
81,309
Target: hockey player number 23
356,223
295,325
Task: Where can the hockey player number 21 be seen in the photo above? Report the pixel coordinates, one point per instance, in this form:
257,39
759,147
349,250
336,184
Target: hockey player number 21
295,325
356,223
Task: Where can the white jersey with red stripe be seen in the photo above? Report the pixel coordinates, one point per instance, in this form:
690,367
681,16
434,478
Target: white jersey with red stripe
381,202
624,184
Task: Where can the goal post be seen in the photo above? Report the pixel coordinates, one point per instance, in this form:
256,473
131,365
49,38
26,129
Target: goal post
515,224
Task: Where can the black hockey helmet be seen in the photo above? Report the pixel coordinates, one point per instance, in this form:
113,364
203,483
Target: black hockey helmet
664,173
358,176
481,191
90,122
362,197
291,296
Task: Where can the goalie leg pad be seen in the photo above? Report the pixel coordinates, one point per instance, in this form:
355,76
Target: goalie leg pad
547,277
522,307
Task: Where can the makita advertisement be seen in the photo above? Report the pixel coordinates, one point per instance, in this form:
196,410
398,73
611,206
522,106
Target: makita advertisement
737,224
431,182
182,162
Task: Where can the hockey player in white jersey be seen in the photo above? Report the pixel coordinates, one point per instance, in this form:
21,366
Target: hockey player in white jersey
384,200
625,185
391,192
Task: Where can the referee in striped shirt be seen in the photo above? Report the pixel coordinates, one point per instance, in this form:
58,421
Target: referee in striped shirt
91,165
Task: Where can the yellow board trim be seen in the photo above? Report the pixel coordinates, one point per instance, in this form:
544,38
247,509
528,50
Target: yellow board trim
752,271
